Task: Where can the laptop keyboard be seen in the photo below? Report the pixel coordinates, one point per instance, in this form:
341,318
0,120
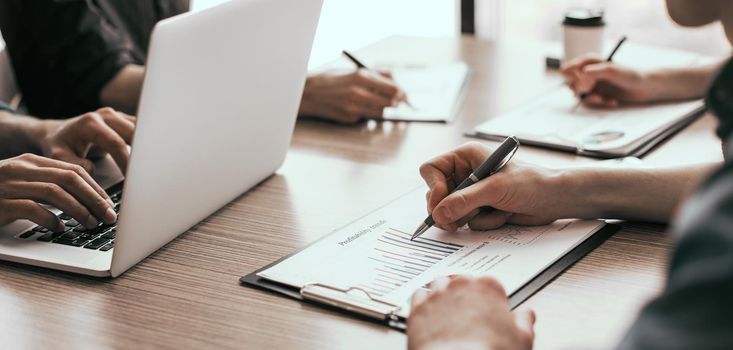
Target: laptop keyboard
75,235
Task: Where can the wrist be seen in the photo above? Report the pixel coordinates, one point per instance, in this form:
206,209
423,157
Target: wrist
578,194
679,84
26,132
35,131
657,86
621,193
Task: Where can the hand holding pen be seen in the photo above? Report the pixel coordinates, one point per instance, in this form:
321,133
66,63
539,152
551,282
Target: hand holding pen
402,96
605,84
439,172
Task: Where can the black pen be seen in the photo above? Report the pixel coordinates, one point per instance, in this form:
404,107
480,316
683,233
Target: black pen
354,59
585,95
500,157
361,65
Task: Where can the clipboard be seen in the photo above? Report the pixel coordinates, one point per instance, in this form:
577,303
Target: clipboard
361,305
639,151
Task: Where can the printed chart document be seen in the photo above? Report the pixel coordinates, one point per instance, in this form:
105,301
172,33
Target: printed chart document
434,91
553,121
375,253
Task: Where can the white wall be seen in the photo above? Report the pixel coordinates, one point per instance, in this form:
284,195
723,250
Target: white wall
351,24
644,21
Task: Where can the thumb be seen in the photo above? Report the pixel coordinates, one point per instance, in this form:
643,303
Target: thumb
485,193
525,319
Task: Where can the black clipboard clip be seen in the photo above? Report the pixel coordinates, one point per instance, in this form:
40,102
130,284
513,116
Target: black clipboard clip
355,300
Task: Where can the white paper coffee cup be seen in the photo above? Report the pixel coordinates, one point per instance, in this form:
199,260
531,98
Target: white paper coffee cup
583,32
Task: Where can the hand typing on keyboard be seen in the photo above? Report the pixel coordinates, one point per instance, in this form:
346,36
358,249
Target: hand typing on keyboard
100,237
27,181
88,136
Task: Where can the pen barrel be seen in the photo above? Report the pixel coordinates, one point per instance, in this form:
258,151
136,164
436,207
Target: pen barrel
465,183
495,159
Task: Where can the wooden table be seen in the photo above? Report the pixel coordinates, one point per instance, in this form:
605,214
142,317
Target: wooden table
187,294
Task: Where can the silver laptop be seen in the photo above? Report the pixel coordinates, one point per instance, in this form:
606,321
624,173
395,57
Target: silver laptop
217,112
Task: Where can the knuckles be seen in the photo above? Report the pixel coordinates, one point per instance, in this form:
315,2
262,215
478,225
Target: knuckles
27,157
89,119
52,189
70,177
77,169
458,282
361,75
609,68
353,94
391,91
18,164
9,166
491,284
119,144
106,110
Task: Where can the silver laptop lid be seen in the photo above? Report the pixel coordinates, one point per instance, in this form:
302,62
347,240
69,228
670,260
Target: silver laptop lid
218,107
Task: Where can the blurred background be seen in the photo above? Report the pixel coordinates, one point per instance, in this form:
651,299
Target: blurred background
644,21
351,24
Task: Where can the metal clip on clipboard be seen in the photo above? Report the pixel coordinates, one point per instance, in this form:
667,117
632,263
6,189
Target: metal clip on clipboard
341,298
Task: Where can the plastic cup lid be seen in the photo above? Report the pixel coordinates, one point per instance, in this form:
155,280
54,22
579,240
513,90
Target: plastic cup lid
584,17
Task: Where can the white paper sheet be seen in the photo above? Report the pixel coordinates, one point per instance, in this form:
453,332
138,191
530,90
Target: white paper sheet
552,118
434,92
376,254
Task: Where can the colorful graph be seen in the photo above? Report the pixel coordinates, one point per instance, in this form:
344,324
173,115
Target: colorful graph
397,259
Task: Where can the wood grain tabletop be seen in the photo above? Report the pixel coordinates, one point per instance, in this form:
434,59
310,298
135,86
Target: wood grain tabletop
187,294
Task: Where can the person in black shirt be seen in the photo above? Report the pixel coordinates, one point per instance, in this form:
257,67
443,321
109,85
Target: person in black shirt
73,56
693,311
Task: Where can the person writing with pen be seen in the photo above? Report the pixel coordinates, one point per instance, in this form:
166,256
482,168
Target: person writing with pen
605,84
692,312
73,56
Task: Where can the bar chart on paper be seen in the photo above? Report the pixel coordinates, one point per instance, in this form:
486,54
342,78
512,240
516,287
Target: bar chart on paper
375,254
397,260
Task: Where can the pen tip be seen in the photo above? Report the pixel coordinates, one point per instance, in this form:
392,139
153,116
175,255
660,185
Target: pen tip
420,230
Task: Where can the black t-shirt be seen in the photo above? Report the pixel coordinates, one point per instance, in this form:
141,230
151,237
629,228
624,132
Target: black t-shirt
695,311
65,51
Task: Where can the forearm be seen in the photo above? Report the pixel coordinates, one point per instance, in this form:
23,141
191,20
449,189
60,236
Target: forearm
651,194
18,134
123,91
680,83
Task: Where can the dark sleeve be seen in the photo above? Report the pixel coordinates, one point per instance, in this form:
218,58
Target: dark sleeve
695,311
63,53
